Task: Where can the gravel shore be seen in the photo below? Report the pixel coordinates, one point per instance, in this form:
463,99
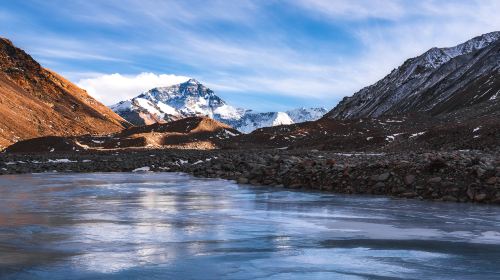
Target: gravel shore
459,176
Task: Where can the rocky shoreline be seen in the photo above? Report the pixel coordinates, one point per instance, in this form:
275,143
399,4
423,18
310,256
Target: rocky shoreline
459,176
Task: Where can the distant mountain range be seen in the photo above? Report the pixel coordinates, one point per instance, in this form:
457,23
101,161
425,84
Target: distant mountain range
191,98
440,80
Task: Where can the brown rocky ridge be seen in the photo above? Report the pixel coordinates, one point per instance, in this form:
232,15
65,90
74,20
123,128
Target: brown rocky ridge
189,133
35,101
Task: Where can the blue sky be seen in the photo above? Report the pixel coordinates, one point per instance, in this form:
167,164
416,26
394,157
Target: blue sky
261,54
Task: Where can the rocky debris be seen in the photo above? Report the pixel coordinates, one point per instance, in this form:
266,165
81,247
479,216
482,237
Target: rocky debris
461,176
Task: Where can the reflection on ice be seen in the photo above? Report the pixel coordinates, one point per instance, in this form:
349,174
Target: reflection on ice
129,225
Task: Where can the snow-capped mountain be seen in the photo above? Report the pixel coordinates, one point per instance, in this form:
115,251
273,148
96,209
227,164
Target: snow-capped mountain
251,121
440,80
175,102
191,98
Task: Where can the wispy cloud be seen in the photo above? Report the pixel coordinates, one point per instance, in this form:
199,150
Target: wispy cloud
409,28
356,9
70,54
310,49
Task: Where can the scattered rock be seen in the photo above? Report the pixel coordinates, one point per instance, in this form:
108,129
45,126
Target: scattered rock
434,180
449,198
409,179
409,194
491,180
242,180
470,193
435,164
383,177
480,197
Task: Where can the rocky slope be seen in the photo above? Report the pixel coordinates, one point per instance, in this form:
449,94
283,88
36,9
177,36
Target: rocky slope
35,101
187,133
438,81
475,127
164,104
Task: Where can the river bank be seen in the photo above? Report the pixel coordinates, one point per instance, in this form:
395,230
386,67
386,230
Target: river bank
460,176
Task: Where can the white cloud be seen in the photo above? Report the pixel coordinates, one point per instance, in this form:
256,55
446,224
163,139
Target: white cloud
112,88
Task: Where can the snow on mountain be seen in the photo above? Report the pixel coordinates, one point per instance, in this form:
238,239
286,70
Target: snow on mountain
254,120
436,57
191,98
438,80
306,114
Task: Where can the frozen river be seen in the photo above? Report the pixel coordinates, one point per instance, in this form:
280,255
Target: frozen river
173,226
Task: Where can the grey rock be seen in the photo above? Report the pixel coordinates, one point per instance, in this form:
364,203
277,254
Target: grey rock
480,197
491,180
449,198
383,177
409,179
434,180
242,180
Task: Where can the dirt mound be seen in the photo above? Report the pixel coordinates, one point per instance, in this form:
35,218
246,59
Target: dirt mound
45,144
186,125
35,102
190,133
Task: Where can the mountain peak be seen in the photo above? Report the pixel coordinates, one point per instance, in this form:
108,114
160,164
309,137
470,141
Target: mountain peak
6,41
439,80
192,81
187,99
491,36
436,57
